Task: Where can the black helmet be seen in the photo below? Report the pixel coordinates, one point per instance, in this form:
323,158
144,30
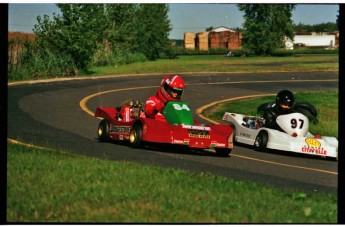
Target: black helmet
285,100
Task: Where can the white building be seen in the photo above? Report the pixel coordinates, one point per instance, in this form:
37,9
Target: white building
314,40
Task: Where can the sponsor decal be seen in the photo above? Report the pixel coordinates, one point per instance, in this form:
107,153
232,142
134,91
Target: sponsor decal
313,146
196,127
312,142
220,145
186,141
178,141
120,129
245,135
213,143
127,110
198,134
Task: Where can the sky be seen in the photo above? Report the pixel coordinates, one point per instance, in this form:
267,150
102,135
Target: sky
190,17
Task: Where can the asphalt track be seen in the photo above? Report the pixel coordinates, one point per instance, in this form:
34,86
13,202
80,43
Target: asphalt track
58,115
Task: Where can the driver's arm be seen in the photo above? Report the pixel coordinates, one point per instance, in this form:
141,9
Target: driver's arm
153,106
270,119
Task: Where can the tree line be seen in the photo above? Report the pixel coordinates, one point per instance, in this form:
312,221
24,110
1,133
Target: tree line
323,27
85,35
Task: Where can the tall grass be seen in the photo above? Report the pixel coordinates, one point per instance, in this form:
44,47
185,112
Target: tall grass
28,61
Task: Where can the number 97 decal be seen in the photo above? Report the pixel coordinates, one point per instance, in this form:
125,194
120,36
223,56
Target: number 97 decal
297,123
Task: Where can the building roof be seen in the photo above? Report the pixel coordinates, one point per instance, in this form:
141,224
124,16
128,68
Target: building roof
222,29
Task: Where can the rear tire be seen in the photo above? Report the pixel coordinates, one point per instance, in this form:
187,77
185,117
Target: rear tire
103,131
261,140
135,136
234,133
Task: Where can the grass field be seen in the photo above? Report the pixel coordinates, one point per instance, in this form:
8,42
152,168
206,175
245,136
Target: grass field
49,186
218,63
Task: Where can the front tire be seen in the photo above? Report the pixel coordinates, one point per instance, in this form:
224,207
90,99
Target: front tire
103,131
135,136
261,140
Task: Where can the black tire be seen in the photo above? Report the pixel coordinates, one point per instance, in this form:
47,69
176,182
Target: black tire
135,136
234,133
223,152
261,140
103,131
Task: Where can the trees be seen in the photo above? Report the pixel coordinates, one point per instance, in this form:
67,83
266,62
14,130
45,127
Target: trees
323,27
74,33
120,32
266,26
126,28
153,27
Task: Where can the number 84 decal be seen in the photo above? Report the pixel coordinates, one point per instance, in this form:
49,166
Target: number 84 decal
183,107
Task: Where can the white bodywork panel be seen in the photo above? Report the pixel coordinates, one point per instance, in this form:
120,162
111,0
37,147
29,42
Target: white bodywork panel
303,142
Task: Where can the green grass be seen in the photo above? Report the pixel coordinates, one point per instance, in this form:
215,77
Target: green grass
326,102
49,186
216,63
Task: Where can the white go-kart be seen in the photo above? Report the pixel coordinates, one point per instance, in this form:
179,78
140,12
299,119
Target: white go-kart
294,138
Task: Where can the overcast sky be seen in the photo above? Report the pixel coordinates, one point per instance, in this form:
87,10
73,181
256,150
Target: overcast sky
190,17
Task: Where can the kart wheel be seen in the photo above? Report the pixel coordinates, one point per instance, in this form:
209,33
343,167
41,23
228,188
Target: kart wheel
135,136
103,131
234,133
223,152
261,140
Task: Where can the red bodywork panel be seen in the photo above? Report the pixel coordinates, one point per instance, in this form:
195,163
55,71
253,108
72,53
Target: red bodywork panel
194,136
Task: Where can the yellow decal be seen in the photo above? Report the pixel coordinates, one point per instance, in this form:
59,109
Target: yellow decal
312,142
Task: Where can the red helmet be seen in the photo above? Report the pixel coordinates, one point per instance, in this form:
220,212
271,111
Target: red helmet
172,87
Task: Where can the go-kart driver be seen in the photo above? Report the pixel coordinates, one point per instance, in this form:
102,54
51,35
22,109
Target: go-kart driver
285,104
171,89
285,101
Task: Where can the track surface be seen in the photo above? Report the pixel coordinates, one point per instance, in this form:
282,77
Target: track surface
49,114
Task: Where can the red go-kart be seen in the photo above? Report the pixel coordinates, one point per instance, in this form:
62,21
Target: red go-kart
129,123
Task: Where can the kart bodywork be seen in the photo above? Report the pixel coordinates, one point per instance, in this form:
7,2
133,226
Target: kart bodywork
129,123
295,136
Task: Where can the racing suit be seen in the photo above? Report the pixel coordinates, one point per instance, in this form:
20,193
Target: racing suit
154,107
270,115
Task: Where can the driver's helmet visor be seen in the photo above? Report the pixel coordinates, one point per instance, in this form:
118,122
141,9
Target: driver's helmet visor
175,93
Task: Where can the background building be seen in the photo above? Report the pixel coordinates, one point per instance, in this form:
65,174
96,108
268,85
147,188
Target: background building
220,37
